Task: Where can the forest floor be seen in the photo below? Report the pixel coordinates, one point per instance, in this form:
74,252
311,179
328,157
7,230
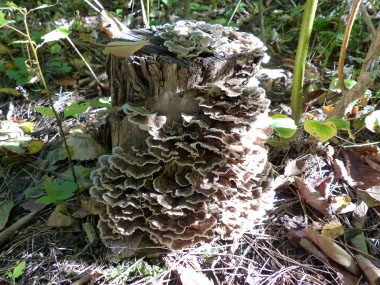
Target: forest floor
330,188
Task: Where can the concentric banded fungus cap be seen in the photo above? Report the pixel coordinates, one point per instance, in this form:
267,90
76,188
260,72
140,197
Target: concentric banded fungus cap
182,188
188,39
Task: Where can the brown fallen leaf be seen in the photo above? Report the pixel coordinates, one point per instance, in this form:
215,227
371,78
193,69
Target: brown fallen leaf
86,279
359,216
370,271
295,167
59,219
334,251
342,204
313,198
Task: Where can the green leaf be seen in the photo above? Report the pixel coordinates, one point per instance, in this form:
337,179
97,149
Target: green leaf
61,191
55,35
20,63
56,48
356,238
3,21
82,175
18,270
342,124
334,84
322,131
75,109
46,111
58,192
284,126
10,91
100,102
5,209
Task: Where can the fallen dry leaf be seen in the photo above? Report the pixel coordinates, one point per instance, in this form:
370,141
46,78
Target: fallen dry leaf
295,167
359,216
59,219
342,204
189,276
332,230
370,271
313,198
334,251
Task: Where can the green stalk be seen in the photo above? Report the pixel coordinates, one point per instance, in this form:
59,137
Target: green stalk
299,66
59,123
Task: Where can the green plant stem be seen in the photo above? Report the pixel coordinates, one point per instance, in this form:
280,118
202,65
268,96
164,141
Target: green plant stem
299,66
59,123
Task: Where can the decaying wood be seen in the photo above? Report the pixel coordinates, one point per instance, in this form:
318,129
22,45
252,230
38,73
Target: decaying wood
154,73
9,232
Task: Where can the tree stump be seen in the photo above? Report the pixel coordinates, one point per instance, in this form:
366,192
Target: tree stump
188,131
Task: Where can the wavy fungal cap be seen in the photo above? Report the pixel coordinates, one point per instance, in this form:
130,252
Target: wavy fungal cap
200,174
188,39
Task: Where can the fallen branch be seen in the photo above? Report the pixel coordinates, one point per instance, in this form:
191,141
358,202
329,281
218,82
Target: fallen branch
21,223
370,70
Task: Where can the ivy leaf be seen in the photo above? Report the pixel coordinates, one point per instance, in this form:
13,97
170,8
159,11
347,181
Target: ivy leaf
284,126
322,131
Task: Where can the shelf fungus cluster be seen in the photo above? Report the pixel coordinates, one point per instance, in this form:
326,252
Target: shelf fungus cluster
189,39
193,165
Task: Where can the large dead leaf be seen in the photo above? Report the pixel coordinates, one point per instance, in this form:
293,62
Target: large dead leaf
110,25
370,271
313,198
83,147
360,170
334,251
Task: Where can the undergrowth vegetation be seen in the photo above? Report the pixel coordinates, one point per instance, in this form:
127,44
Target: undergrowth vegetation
54,110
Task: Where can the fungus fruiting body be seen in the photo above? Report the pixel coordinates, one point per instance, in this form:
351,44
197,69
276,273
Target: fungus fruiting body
194,163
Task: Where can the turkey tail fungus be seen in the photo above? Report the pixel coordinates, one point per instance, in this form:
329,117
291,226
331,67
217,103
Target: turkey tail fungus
188,131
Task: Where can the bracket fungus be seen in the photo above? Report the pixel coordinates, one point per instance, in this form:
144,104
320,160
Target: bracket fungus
193,164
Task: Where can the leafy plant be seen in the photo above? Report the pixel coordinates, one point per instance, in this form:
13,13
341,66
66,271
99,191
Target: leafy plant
21,74
17,271
57,193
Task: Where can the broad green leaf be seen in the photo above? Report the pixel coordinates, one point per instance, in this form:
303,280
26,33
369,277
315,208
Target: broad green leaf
3,21
46,111
372,121
342,124
284,126
56,48
55,35
75,109
123,48
356,238
322,131
61,191
5,208
46,200
334,84
82,175
18,270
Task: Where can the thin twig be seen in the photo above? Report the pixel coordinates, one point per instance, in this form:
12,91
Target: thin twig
367,20
85,62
